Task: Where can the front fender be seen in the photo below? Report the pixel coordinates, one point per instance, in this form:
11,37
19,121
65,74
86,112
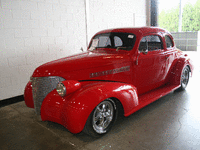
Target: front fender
73,110
28,96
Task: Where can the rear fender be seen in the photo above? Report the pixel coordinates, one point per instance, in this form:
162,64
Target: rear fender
175,76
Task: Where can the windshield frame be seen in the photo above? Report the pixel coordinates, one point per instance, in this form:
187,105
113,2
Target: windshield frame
111,36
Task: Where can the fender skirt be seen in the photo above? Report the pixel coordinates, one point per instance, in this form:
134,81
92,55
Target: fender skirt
73,110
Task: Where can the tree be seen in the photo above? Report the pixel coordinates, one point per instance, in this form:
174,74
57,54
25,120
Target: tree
190,21
169,19
197,16
188,18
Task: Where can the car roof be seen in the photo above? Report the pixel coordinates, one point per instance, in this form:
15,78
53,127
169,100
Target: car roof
135,30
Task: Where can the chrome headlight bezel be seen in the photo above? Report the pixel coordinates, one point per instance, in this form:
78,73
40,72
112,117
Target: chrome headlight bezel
61,89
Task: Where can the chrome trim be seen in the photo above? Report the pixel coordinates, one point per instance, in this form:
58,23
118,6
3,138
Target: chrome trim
185,77
31,79
108,72
41,86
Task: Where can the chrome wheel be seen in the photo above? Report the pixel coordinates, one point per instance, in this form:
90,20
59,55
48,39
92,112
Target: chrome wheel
185,77
102,116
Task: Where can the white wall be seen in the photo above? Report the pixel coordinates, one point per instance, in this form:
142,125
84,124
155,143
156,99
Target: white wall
33,32
115,13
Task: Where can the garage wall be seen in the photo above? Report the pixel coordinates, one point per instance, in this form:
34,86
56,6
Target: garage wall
33,32
114,14
186,41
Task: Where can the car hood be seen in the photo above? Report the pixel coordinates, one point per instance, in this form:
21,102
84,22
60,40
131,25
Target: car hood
80,64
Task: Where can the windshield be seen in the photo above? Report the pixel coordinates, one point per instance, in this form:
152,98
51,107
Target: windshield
115,40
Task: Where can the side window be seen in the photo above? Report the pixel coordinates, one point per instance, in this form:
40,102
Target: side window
150,42
168,41
118,41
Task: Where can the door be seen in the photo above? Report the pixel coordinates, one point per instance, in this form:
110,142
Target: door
149,73
169,52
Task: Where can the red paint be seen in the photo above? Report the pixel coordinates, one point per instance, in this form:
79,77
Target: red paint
28,97
71,85
73,110
134,78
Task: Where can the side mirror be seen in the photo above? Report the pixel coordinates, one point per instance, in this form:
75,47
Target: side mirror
81,49
144,51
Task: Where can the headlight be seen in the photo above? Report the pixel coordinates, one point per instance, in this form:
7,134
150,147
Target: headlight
61,89
67,87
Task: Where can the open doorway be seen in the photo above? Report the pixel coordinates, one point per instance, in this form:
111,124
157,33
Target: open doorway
185,30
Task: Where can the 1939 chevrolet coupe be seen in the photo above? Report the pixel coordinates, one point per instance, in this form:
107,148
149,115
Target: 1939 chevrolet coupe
127,67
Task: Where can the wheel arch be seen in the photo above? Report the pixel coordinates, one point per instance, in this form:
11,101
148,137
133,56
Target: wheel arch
175,74
119,105
189,68
124,95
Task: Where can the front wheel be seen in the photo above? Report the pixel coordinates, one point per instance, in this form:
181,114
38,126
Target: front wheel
101,119
185,75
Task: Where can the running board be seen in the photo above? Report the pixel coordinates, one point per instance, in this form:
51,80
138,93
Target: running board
151,96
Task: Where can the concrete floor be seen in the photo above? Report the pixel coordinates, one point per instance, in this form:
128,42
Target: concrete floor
172,122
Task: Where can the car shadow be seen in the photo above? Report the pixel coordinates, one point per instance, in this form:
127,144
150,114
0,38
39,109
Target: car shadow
121,121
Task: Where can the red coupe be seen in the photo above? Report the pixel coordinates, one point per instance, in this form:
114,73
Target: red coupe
125,67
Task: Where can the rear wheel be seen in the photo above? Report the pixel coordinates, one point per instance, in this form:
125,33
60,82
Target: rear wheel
185,75
101,119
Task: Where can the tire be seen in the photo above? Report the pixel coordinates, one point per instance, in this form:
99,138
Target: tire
185,75
101,119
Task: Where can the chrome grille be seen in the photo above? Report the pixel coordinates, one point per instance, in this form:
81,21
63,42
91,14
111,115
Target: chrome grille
41,86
